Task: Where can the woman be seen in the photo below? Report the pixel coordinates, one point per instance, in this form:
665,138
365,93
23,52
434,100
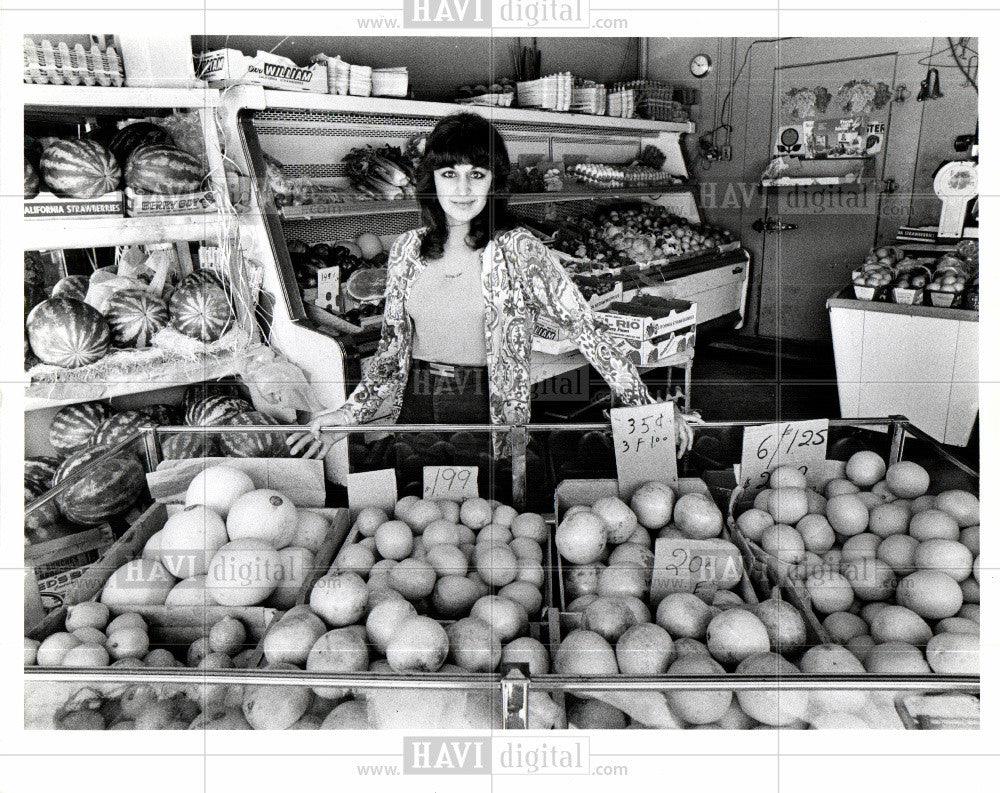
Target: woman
462,295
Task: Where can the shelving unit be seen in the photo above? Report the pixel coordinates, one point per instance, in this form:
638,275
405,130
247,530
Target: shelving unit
77,103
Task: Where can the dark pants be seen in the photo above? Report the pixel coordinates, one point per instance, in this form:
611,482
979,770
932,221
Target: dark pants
446,394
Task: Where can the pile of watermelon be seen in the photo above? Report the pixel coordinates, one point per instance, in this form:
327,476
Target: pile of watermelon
141,155
62,329
82,433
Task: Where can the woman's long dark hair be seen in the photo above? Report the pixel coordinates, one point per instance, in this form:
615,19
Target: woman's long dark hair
467,139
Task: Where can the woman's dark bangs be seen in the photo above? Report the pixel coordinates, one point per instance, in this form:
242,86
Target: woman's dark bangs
462,146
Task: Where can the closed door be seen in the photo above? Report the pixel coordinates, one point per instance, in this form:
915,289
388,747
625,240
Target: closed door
812,237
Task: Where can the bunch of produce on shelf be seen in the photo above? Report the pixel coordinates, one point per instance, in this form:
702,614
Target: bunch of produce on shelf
951,276
63,329
499,93
911,279
380,173
93,638
635,234
296,190
892,570
528,179
612,176
141,156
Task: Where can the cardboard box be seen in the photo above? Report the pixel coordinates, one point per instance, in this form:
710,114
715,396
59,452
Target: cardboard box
226,67
60,562
137,204
651,352
646,321
49,205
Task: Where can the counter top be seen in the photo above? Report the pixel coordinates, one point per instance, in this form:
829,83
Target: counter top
844,299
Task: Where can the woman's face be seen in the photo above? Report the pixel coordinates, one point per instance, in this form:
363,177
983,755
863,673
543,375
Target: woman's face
462,190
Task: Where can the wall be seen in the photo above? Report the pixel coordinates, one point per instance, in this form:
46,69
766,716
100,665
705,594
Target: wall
439,65
921,134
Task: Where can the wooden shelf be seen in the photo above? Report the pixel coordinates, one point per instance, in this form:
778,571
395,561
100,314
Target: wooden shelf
114,101
98,232
49,395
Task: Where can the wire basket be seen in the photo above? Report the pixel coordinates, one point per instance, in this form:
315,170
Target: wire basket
57,64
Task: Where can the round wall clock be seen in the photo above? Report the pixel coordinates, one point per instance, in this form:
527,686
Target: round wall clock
701,65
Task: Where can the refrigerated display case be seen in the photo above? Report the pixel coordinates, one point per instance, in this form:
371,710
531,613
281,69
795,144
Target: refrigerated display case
512,696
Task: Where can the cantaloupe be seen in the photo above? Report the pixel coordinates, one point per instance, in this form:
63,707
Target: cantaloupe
265,515
217,487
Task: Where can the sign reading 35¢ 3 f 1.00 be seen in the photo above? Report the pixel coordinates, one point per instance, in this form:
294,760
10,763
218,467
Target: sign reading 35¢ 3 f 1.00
645,445
798,444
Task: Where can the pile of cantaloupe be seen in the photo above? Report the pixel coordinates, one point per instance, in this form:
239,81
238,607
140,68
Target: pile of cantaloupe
231,545
892,571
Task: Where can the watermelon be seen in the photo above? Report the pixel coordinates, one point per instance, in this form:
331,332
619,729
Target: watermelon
114,429
32,151
110,488
75,425
160,169
135,317
161,415
188,446
253,444
67,332
41,516
199,391
201,310
32,184
79,169
39,472
74,286
131,137
367,285
214,411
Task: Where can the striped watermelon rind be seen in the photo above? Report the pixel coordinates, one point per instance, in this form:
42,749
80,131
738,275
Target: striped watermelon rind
67,332
111,488
79,169
215,411
74,286
201,310
161,414
114,429
135,317
132,136
73,427
247,444
188,446
196,392
39,473
159,169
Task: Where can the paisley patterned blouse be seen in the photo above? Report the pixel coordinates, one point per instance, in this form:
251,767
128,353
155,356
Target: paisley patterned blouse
521,279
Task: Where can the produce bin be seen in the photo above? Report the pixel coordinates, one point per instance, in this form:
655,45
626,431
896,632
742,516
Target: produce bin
510,696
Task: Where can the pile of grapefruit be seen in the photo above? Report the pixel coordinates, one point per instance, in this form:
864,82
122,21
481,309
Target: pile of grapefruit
892,570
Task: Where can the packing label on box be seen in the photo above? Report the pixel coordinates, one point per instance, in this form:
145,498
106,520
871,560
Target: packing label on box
640,328
137,204
453,482
49,205
226,67
651,353
60,562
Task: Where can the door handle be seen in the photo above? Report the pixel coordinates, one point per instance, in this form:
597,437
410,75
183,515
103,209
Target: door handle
771,224
737,270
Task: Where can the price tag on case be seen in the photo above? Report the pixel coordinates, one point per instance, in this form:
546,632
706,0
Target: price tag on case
683,565
645,445
798,444
453,482
372,489
328,288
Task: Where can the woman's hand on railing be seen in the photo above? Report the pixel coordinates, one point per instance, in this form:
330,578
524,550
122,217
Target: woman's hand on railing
316,444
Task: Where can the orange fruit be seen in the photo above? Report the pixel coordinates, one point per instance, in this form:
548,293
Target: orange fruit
934,524
865,468
753,522
907,479
847,514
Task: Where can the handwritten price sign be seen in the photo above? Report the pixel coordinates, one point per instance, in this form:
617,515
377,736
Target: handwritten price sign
454,482
799,444
645,445
683,565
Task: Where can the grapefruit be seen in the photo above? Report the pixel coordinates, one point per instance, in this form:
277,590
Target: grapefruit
888,519
683,614
339,598
865,468
413,578
645,649
524,593
526,550
525,650
778,708
394,540
496,564
581,537
753,522
422,514
961,505
618,518
447,560
339,650
954,654
507,618
736,634
653,504
847,514
906,479
263,515
899,552
948,556
932,594
419,644
530,525
454,595
608,616
896,658
476,513
830,592
697,516
784,543
473,645
816,532
369,519
787,476
697,707
310,533
900,624
218,487
584,652
934,524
